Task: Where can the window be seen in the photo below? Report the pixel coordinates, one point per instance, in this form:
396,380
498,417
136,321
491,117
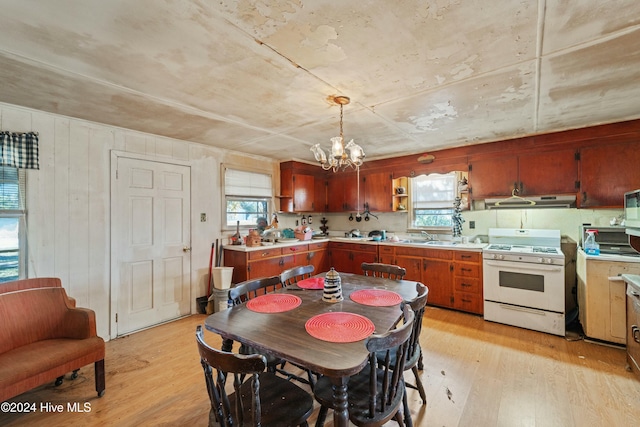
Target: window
12,224
432,198
247,197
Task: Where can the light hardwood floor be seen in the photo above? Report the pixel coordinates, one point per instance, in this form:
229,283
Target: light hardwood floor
476,373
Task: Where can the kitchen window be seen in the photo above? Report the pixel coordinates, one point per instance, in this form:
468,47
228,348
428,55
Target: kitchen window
432,198
248,197
12,224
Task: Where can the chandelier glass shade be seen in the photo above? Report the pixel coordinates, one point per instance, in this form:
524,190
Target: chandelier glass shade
341,156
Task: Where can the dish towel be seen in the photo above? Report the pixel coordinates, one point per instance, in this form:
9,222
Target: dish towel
457,217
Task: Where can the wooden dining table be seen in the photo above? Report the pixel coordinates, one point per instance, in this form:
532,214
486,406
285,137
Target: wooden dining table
284,336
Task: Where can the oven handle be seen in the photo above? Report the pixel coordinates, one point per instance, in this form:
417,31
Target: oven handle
523,266
523,309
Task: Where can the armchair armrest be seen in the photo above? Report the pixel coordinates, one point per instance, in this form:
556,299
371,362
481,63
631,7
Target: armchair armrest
79,323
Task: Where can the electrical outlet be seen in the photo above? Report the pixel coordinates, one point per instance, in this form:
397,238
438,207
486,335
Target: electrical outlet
203,217
472,224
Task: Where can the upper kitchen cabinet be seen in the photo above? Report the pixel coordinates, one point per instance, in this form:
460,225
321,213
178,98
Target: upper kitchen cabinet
545,173
607,171
342,192
377,191
300,189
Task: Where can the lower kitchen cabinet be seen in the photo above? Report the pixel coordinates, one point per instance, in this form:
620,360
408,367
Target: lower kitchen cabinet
454,277
265,261
348,257
467,278
433,267
318,256
602,297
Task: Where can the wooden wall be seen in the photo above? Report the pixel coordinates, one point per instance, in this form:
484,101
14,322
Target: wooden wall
68,200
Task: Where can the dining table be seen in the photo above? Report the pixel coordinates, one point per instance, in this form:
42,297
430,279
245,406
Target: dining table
328,338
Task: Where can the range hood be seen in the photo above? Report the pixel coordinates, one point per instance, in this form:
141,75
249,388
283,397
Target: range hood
533,202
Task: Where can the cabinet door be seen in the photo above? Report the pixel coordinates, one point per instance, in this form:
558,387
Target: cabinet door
265,268
493,177
303,193
319,259
413,266
358,258
554,172
437,275
341,260
342,192
377,192
320,195
607,172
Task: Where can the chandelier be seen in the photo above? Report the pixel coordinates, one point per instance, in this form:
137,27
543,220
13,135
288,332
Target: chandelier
342,156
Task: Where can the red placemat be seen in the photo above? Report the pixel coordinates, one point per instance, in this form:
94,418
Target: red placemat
339,327
273,303
311,283
376,297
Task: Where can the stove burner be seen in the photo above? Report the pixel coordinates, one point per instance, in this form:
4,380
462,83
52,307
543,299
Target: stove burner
500,247
543,250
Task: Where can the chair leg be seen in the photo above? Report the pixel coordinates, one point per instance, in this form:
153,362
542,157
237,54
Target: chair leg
419,385
99,372
322,416
74,374
420,364
407,411
59,380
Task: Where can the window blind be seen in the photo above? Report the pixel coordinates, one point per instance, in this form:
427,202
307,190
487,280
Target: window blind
12,189
434,191
247,184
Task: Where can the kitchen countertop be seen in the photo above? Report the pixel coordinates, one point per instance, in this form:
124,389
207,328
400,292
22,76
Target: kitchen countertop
474,247
610,257
633,280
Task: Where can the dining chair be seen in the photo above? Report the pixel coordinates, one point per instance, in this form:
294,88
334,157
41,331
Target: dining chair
376,393
389,271
258,397
252,288
293,275
414,351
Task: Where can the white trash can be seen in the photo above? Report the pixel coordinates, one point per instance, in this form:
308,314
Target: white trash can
222,277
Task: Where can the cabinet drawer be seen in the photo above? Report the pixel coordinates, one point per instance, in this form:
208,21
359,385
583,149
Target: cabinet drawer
470,303
265,253
360,247
468,285
467,270
295,249
317,246
386,250
467,256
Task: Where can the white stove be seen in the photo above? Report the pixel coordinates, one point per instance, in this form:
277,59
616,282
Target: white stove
523,273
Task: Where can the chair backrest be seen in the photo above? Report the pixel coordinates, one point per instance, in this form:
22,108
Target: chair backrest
417,305
295,274
248,289
389,271
239,366
386,386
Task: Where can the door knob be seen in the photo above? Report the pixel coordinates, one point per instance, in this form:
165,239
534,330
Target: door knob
186,249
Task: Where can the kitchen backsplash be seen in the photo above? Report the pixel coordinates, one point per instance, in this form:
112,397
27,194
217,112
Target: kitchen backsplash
568,221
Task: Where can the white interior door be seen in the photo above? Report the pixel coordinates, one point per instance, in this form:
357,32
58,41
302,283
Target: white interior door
151,243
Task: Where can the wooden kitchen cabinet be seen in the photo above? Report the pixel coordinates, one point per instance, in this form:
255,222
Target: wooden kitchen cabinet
400,200
602,297
607,171
377,191
266,261
433,267
342,192
299,191
348,257
318,256
533,174
467,278
386,254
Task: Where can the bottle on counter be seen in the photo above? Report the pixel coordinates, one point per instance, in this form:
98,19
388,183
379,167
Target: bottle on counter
591,247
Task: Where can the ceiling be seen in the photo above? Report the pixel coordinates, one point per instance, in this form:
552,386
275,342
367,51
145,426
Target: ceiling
257,76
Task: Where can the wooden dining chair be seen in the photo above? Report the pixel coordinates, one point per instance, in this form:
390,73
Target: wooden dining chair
293,275
258,397
414,351
252,288
376,393
389,271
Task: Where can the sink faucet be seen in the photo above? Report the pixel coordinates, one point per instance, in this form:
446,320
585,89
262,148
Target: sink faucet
428,236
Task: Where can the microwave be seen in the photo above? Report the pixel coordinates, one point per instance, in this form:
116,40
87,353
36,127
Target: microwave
632,209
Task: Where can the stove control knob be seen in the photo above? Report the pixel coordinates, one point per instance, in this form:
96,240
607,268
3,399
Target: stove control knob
540,260
549,261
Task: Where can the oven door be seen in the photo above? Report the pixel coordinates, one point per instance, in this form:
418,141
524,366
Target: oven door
538,286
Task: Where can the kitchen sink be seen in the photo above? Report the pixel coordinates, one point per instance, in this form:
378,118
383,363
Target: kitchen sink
440,243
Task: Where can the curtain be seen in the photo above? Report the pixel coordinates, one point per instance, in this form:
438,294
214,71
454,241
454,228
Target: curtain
19,150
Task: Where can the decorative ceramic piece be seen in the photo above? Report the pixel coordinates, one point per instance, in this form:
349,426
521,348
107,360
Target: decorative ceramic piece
332,287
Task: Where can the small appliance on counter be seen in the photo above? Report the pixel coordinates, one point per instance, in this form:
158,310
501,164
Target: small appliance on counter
612,240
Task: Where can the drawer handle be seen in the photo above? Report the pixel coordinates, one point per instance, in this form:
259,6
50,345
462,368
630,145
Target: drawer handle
465,256
466,269
467,285
265,253
636,333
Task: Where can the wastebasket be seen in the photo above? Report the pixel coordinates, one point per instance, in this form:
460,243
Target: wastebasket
220,299
222,277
